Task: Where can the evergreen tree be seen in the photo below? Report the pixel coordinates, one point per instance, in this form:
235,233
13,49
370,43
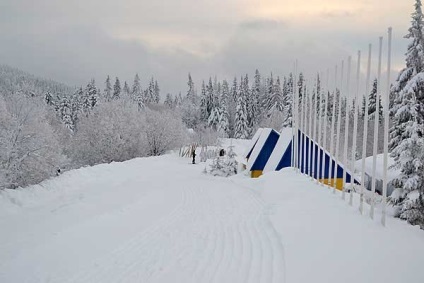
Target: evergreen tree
234,90
116,89
108,90
191,95
372,104
209,98
301,85
137,93
85,100
256,99
169,101
241,128
224,121
126,89
48,98
65,109
270,96
92,93
406,135
288,101
276,102
156,93
203,104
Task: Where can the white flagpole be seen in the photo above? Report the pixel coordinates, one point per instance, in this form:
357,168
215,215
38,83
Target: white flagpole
324,143
299,145
333,117
376,122
311,111
314,134
339,122
293,114
319,140
346,128
386,127
355,127
365,136
304,101
296,141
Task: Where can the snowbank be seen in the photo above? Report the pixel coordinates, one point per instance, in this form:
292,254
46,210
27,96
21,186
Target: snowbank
325,240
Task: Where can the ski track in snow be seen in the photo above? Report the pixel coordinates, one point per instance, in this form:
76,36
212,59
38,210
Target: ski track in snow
219,232
196,243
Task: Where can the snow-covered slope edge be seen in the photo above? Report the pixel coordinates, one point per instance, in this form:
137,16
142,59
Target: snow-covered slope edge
326,240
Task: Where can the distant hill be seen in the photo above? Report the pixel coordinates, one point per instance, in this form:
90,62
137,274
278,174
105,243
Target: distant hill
13,80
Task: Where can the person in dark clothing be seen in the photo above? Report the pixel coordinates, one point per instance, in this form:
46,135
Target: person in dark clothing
193,154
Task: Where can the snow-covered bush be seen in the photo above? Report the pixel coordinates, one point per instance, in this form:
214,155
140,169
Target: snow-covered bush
30,151
113,132
223,166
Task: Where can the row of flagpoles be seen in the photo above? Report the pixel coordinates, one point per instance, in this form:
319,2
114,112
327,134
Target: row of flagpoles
304,113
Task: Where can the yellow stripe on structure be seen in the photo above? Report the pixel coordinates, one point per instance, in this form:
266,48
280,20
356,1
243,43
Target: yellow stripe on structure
255,173
338,182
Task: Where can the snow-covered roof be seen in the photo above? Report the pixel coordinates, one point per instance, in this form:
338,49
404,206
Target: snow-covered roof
257,149
280,148
391,173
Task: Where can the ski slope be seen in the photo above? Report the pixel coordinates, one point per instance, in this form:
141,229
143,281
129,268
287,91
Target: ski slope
161,220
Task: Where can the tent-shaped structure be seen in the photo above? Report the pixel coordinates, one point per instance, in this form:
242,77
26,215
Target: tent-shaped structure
281,157
253,142
258,156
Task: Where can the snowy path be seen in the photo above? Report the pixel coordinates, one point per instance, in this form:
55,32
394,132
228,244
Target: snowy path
209,230
162,220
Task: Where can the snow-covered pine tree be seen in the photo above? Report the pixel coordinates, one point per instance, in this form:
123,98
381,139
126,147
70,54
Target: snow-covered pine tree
373,103
317,91
256,99
169,102
85,100
156,93
209,97
301,85
277,98
231,106
92,93
241,129
108,90
269,106
191,95
65,111
224,122
48,98
149,93
406,136
203,104
137,93
215,114
116,89
179,100
126,89
288,101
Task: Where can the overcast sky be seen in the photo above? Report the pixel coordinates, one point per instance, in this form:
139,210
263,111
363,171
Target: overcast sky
74,40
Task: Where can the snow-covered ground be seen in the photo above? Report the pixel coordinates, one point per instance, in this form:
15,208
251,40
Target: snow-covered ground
162,220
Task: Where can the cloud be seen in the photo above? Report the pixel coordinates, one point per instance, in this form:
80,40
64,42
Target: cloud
261,24
331,14
73,41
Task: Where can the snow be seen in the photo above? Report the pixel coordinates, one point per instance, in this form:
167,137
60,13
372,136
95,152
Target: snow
160,219
280,148
258,147
392,173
